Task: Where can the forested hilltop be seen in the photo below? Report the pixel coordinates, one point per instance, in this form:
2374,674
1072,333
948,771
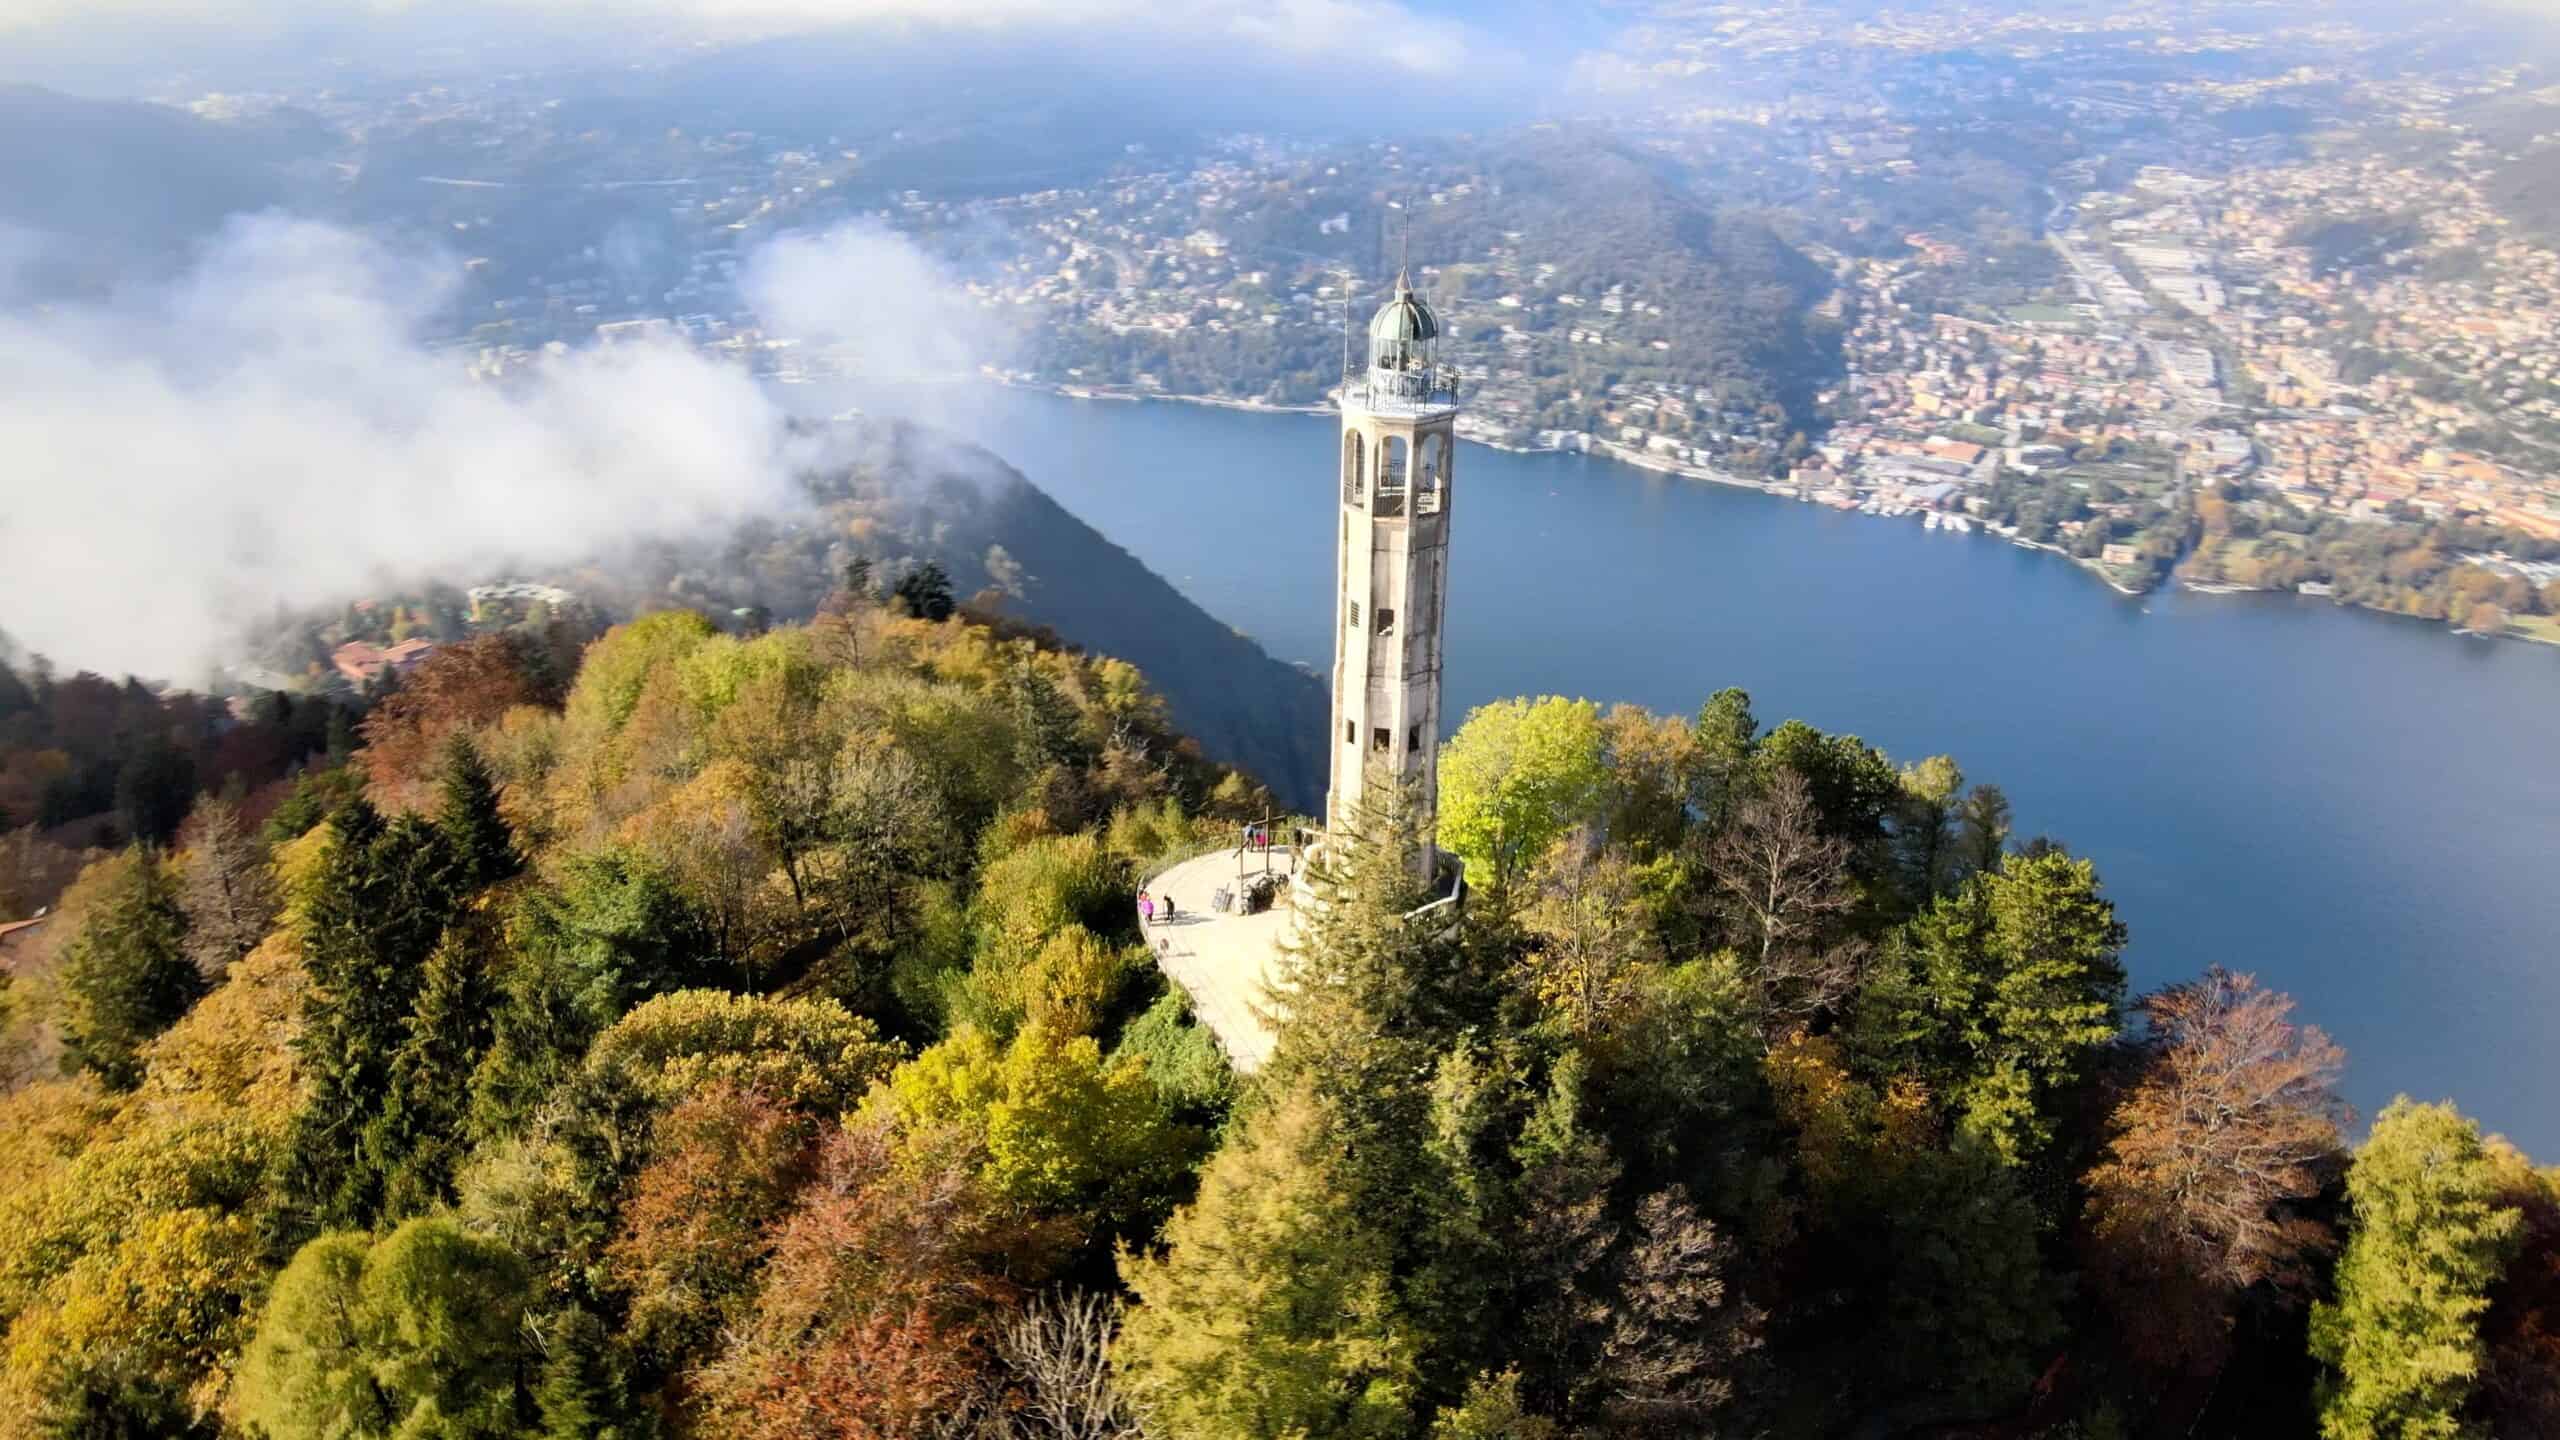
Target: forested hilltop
913,496
752,1037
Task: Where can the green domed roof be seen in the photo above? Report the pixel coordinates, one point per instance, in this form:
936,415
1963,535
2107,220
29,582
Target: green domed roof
1405,317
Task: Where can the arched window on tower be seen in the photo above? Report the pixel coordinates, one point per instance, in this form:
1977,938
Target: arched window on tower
1354,462
1430,487
1395,456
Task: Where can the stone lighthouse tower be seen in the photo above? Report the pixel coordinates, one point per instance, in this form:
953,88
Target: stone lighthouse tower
1399,407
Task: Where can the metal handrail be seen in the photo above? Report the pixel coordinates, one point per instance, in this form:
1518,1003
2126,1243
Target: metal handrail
1427,386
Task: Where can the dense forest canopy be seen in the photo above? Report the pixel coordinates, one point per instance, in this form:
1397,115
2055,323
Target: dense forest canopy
752,1036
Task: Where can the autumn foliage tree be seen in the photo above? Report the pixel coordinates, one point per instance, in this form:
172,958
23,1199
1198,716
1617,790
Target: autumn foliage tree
2233,1123
1926,1237
1590,930
2520,1390
1063,1132
137,1338
458,688
1057,1361
874,1318
724,1164
1679,1335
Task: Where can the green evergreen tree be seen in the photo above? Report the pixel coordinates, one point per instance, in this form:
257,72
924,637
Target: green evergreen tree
126,975
581,1392
416,1139
1982,830
1968,1310
1046,723
1370,1004
316,795
340,745
1269,1316
1925,830
374,913
2000,996
925,592
15,697
1367,990
2427,1241
613,933
476,836
1728,743
1854,787
154,789
857,577
1557,1260
1391,1016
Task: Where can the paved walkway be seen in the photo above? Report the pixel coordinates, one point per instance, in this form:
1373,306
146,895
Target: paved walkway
1225,962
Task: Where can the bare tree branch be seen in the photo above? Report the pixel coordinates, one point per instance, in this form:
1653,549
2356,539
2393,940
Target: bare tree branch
1782,879
1058,1350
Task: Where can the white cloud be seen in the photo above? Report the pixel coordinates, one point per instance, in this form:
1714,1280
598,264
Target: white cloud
1297,29
864,293
272,429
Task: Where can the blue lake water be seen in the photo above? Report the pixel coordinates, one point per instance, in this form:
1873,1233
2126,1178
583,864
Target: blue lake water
2363,811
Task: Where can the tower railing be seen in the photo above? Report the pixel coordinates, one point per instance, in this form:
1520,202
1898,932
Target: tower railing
1424,387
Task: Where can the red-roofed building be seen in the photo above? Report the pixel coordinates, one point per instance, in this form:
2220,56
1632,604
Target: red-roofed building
360,662
15,937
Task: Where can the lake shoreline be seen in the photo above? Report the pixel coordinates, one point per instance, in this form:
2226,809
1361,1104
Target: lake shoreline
1653,464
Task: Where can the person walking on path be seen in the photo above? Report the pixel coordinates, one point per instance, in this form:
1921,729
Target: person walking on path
1168,907
1146,908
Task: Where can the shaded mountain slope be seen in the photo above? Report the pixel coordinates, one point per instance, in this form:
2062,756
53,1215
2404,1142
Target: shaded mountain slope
1246,708
907,495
